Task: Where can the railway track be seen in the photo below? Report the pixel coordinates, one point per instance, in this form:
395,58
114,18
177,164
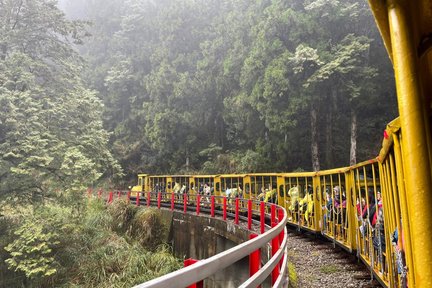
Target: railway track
315,262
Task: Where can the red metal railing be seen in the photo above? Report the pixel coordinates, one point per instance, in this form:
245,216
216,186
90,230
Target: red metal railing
230,209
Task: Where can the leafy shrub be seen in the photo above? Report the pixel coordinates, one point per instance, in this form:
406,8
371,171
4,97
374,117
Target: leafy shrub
148,228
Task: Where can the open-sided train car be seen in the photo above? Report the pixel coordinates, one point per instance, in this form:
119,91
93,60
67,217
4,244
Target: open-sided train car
379,208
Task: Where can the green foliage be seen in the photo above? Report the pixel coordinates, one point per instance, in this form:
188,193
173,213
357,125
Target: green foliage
101,246
180,77
50,124
32,251
148,227
122,214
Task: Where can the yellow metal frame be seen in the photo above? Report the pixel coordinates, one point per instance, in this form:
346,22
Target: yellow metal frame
402,24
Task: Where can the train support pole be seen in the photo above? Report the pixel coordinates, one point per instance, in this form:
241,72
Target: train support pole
224,208
198,198
137,202
272,213
184,203
274,249
212,199
159,196
262,216
249,214
148,198
237,202
172,201
254,259
280,217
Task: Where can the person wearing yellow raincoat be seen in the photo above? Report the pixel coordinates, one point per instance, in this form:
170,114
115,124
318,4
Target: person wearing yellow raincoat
294,195
306,205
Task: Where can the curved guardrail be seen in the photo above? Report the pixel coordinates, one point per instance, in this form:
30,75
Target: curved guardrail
238,210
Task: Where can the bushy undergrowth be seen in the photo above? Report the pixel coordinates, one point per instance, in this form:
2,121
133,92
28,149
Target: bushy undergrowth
149,228
103,246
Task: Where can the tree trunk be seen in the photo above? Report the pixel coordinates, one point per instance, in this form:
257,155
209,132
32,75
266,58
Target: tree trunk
353,148
314,140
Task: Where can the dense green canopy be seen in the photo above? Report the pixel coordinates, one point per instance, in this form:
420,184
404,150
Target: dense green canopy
234,86
51,133
167,86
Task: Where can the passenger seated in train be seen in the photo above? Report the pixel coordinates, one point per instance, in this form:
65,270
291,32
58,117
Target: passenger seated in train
183,189
233,192
328,208
339,203
398,246
261,196
377,223
176,188
207,192
366,218
306,204
293,192
268,195
361,208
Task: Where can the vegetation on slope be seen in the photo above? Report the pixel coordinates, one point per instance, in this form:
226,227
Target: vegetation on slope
101,246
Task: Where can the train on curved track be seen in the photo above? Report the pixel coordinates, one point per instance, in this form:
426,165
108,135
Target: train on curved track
378,209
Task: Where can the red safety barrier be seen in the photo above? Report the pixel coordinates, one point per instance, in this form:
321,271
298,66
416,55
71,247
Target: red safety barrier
148,198
280,217
189,262
212,199
272,213
184,203
118,194
254,259
275,248
110,197
224,208
262,216
128,196
172,201
137,201
159,199
281,234
249,214
237,204
198,198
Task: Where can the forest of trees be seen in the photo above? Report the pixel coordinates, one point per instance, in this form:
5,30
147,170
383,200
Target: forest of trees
237,86
96,91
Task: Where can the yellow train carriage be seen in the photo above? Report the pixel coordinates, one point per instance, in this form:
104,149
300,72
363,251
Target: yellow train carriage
199,184
142,185
261,186
406,162
230,185
367,217
335,206
202,185
296,192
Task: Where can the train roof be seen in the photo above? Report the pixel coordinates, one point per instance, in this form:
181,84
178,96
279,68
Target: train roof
420,19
